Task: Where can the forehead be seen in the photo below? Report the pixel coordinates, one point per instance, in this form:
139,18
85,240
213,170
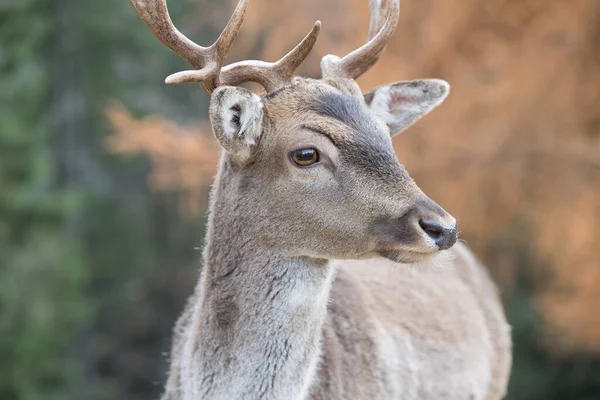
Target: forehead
335,108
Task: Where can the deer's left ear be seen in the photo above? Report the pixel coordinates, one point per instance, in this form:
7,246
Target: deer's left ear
401,104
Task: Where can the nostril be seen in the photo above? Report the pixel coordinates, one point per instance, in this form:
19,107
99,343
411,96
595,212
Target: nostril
433,229
443,237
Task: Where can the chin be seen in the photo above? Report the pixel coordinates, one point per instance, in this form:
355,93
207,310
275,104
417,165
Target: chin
407,256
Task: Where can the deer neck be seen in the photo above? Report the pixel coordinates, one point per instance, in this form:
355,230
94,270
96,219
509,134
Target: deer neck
258,318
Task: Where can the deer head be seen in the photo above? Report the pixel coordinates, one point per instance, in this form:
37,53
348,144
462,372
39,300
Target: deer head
309,165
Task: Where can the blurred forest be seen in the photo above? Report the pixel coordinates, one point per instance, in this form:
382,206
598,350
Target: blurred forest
104,173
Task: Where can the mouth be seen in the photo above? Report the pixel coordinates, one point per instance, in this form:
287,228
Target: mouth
408,256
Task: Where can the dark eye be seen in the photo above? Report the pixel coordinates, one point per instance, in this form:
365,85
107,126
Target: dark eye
305,157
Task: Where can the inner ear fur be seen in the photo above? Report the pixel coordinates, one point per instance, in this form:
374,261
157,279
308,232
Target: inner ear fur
236,115
401,104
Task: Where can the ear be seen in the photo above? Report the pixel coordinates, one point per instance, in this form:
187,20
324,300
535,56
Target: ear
401,104
236,115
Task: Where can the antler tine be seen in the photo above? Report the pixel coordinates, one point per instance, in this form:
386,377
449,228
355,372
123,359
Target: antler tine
378,9
270,75
206,61
360,60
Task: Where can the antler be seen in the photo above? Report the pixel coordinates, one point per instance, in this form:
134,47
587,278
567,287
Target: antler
270,75
360,60
207,62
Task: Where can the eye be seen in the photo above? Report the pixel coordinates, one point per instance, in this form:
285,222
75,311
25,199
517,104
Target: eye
305,157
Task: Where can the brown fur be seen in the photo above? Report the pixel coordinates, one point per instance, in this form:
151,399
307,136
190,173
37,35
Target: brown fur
275,316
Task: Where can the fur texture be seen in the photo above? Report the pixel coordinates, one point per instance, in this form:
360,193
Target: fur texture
295,301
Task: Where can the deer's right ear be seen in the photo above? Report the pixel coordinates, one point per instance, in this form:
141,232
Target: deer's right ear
236,115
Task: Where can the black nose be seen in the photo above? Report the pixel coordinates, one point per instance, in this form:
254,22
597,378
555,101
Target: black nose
442,236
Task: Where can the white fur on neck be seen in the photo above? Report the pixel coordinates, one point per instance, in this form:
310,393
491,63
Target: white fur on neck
291,324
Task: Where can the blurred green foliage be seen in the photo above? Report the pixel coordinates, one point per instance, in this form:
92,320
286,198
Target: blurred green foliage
42,274
85,310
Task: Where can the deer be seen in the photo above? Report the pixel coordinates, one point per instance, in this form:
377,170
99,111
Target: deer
327,272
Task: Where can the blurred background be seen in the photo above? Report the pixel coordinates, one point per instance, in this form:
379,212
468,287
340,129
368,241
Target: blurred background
104,173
